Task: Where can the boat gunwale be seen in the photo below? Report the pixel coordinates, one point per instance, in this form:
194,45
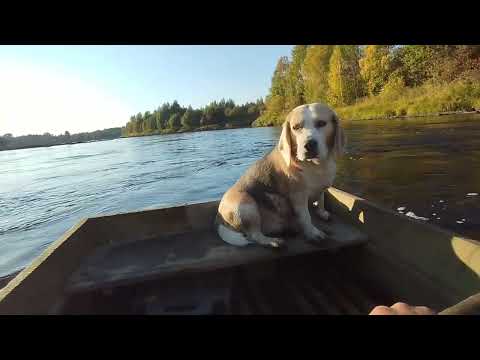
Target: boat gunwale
384,208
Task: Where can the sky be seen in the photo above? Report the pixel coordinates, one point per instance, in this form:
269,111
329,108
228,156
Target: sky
85,88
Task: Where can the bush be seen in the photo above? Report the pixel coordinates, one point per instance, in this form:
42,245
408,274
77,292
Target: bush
476,104
268,120
394,87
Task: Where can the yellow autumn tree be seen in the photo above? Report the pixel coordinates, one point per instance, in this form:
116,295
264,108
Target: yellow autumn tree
315,72
294,85
375,67
344,80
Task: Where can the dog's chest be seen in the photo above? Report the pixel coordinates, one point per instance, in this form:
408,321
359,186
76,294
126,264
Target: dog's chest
318,178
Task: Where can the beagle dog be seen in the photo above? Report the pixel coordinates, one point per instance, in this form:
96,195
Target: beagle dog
272,198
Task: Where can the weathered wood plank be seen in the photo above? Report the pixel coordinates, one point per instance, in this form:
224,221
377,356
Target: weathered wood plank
198,251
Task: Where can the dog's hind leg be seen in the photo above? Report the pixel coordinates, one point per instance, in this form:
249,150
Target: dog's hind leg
263,240
241,212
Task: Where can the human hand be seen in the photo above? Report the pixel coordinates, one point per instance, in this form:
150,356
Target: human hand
400,308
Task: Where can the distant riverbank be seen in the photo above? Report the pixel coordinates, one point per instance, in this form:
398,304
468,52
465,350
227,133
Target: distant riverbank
219,127
42,146
187,130
175,118
10,142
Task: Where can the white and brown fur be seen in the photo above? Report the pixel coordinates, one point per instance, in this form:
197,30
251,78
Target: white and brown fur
272,198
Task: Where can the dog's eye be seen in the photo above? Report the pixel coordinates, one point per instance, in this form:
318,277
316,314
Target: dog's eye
297,127
320,124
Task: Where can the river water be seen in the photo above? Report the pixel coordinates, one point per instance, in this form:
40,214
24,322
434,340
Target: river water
427,167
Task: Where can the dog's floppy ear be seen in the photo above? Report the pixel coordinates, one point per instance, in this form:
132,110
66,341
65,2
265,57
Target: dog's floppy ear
339,138
285,142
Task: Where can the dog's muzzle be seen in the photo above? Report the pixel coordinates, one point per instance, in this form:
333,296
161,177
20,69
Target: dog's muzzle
311,148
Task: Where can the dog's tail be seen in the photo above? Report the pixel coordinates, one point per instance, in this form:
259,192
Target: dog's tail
229,235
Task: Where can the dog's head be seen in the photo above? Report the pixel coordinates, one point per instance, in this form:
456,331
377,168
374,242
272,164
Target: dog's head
311,133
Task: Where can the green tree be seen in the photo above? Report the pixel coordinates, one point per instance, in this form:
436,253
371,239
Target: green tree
150,123
315,72
175,108
146,123
294,85
415,62
275,102
131,126
162,115
139,123
214,113
191,118
175,121
279,77
260,105
229,104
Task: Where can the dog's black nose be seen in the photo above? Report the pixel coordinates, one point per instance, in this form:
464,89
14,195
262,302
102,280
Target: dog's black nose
311,145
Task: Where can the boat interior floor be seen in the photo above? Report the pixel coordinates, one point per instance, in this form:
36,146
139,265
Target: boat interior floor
127,262
321,283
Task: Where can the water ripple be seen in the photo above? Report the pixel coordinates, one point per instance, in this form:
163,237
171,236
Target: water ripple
44,192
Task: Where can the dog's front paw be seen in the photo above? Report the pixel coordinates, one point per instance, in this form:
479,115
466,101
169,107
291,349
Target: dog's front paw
321,212
275,243
324,214
315,235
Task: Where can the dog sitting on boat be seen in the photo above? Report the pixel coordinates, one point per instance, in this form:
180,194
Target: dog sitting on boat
272,198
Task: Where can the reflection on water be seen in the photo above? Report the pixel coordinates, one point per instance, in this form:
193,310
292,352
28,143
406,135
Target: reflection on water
426,166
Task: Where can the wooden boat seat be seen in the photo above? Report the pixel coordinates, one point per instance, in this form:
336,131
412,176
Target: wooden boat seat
135,261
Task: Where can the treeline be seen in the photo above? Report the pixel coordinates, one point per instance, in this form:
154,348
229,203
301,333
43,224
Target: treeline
10,142
169,118
375,80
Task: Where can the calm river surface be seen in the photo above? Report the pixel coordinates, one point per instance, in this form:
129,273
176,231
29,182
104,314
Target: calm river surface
429,166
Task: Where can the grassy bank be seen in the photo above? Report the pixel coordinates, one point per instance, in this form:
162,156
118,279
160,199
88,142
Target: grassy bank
426,99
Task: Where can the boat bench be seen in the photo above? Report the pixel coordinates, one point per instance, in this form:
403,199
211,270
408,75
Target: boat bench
192,252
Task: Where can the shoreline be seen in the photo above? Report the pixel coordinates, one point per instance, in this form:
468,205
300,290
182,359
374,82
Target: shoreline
42,146
188,131
356,119
446,113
